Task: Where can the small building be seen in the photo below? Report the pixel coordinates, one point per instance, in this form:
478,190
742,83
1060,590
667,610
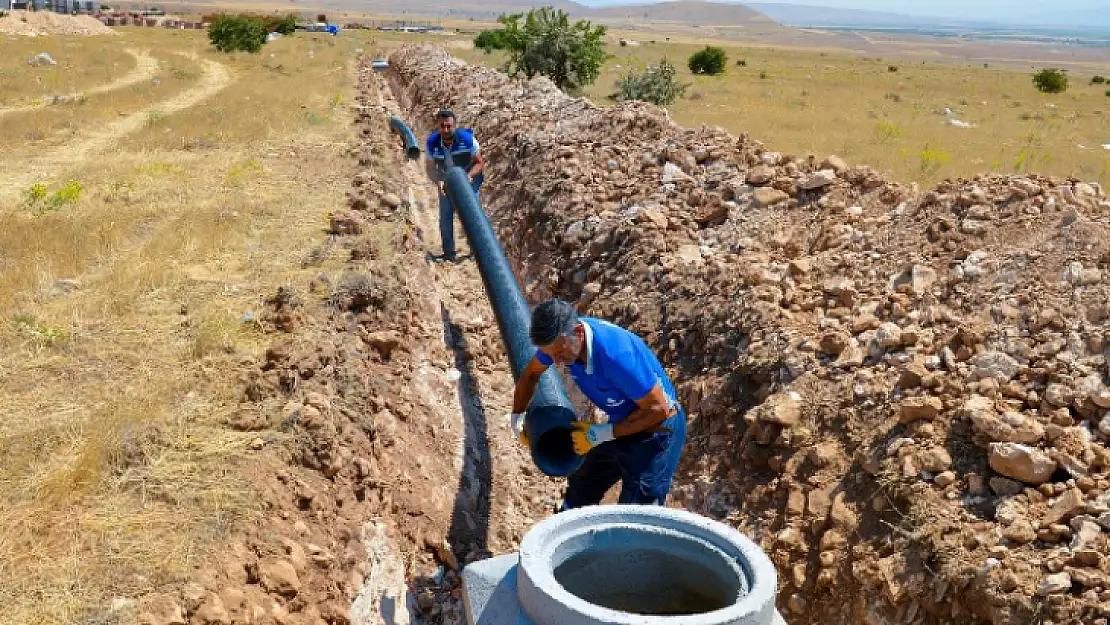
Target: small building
57,6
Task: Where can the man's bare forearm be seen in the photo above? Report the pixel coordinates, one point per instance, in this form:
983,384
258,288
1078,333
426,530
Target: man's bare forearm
642,419
522,396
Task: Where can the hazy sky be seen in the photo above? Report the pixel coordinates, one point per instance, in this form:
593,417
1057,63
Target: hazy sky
967,9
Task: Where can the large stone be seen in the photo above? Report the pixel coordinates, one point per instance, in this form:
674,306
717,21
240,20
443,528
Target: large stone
761,174
1054,584
783,409
915,408
1021,462
766,196
834,163
279,576
384,341
922,279
1066,506
995,365
818,179
936,460
889,335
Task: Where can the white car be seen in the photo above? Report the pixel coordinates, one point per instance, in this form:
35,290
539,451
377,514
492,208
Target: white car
379,65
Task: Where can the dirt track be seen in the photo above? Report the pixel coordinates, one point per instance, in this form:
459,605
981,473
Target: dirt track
52,165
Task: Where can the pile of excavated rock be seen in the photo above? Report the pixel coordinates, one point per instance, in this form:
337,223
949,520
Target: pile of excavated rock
901,393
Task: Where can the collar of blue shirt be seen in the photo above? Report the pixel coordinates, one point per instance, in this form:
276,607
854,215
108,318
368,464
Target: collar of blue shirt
589,332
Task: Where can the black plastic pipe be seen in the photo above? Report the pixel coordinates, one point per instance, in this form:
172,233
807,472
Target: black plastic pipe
550,415
412,148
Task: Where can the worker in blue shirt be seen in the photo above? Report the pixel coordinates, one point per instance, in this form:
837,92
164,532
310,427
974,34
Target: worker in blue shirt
446,147
615,369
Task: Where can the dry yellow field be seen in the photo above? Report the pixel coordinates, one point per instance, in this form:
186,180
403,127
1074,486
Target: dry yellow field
812,102
139,238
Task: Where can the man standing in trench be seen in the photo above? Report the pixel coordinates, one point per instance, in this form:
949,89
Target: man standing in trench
641,443
446,147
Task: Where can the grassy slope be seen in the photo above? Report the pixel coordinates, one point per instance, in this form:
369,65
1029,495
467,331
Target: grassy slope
116,473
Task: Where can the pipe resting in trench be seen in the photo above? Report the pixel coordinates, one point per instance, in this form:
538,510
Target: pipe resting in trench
412,148
550,415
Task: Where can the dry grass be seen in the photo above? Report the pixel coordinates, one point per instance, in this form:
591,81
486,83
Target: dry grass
82,63
26,133
121,331
810,102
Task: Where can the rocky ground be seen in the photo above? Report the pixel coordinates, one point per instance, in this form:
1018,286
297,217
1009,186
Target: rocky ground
383,452
900,393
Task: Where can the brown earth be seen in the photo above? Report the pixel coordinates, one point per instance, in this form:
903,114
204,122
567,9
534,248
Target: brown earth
384,456
900,393
39,23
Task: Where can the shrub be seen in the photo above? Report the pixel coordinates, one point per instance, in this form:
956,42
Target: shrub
1098,80
490,40
1108,93
286,25
1051,81
764,75
741,63
657,84
548,44
710,61
892,68
241,32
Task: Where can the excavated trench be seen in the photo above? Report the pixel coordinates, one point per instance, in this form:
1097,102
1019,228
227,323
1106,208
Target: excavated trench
844,371
834,363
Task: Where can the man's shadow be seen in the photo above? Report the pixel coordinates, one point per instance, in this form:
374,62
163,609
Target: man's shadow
470,520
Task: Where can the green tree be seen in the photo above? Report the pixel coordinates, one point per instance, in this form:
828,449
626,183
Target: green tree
1051,81
657,84
548,44
709,61
490,40
286,25
231,33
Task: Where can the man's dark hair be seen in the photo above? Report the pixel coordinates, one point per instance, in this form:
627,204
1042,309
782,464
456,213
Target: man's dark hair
550,320
445,114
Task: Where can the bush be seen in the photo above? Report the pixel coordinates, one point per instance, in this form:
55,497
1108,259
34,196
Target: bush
231,33
283,25
764,75
892,68
1051,81
547,44
1098,80
1108,93
741,63
490,40
657,84
710,61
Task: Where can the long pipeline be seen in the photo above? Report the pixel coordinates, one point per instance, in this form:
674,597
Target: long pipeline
548,421
412,148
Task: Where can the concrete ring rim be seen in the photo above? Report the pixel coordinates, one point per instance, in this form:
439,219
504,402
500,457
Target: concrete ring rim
536,551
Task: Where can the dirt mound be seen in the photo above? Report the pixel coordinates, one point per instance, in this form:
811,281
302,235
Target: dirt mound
901,394
37,23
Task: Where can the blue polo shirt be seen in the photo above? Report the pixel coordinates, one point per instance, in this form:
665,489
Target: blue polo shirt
619,369
464,147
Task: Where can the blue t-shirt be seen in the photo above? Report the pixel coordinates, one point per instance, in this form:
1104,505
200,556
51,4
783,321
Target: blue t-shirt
463,149
620,369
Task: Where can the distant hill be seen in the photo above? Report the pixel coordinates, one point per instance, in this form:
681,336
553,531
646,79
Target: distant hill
685,12
813,16
800,15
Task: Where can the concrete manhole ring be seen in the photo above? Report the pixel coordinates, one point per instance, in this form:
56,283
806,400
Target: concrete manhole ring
626,565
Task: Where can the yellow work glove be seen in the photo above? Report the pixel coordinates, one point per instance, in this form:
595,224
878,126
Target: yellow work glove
586,436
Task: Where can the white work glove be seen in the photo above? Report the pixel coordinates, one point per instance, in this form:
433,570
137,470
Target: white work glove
516,426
